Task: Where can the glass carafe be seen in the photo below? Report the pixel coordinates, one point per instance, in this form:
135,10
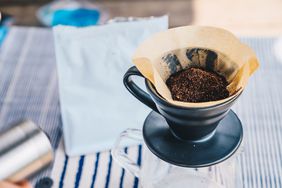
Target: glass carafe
157,173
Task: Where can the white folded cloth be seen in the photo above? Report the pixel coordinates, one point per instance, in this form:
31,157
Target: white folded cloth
91,62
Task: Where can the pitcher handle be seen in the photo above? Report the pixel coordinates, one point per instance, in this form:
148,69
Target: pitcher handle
121,157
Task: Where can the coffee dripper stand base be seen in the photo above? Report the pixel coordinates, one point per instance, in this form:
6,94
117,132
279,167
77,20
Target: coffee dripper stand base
216,147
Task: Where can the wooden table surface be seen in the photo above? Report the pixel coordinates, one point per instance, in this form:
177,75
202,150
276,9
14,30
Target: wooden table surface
244,17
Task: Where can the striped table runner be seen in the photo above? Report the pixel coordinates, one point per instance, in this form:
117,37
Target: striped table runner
28,81
97,170
28,89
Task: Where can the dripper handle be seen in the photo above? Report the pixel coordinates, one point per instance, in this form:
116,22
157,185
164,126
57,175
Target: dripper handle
136,91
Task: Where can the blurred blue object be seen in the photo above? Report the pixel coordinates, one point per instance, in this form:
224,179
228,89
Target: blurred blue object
3,33
72,13
6,20
78,17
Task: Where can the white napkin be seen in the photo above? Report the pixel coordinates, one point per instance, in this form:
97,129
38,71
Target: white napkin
91,62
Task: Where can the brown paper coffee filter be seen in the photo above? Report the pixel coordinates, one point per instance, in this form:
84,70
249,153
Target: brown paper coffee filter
210,48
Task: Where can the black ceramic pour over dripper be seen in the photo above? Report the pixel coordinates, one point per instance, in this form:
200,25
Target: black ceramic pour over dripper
186,126
185,123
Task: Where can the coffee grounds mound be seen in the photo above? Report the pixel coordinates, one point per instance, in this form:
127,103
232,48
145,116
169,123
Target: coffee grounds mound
197,85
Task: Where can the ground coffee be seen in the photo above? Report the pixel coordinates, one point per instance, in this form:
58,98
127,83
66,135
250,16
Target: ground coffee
197,85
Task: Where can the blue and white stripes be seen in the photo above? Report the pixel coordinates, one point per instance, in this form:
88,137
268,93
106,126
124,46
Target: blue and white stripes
63,173
94,171
28,89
